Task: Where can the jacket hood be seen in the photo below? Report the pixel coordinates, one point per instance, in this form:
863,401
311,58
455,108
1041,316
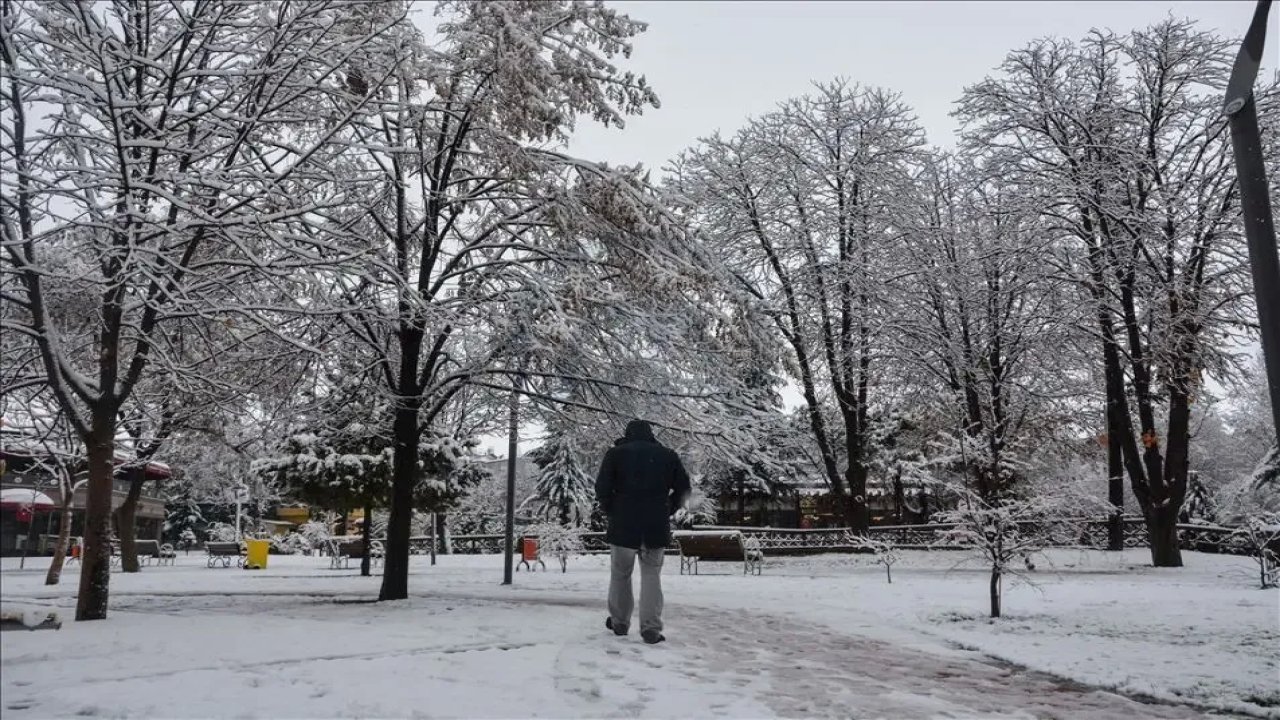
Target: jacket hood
639,430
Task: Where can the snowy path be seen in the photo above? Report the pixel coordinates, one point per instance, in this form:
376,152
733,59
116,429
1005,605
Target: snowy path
798,669
295,642
539,655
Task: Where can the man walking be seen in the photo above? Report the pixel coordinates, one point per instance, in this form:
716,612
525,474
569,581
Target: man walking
640,485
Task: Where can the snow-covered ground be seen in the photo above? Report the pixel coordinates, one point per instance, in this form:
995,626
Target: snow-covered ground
819,636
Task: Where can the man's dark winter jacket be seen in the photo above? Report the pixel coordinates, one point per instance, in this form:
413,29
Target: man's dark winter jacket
640,484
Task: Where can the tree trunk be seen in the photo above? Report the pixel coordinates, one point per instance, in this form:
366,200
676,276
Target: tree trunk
1115,478
95,573
858,514
366,533
888,573
742,502
898,500
442,533
126,521
395,571
64,538
1163,533
995,591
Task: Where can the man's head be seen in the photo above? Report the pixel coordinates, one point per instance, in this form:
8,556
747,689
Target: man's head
639,430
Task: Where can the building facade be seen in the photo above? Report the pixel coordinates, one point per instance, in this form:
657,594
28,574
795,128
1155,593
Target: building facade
36,534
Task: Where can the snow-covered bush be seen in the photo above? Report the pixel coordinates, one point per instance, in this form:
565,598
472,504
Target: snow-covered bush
187,539
220,532
1006,532
1252,507
295,543
886,552
1260,536
317,531
700,509
558,541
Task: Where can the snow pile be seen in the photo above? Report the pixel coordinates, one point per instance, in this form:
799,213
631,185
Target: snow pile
814,636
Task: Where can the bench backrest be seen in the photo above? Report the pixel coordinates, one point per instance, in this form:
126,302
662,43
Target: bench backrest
147,548
222,548
351,548
711,547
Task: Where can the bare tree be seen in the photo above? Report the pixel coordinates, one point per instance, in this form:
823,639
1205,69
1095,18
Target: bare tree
1122,140
986,320
1007,531
44,439
497,263
808,203
158,158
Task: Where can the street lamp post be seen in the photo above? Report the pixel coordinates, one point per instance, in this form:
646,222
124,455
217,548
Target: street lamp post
1255,202
513,438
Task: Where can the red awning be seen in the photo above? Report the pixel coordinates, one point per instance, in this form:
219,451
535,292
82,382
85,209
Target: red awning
25,498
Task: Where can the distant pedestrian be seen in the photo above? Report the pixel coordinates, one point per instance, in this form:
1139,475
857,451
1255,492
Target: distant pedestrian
640,485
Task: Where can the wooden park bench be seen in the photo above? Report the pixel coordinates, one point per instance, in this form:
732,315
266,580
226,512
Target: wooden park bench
151,551
343,550
223,552
698,546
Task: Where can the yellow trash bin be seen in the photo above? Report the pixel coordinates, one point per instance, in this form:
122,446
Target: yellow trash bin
256,557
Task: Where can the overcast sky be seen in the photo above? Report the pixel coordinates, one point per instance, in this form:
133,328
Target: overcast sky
713,64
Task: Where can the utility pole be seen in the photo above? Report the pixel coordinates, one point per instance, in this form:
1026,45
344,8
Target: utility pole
1255,201
513,439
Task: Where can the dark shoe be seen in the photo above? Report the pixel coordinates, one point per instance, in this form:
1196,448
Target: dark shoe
652,637
619,630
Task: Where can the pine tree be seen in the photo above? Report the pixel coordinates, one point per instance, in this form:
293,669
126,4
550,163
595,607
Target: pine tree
564,490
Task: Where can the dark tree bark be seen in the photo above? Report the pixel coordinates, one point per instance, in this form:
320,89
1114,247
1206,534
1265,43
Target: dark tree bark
995,591
1115,478
64,538
899,501
395,573
126,520
95,573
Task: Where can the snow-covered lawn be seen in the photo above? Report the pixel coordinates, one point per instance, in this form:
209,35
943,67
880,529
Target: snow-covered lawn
822,636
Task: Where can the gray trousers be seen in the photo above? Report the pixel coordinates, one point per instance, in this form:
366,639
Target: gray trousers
621,600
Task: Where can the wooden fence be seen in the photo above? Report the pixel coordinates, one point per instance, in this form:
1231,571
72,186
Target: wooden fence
932,536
